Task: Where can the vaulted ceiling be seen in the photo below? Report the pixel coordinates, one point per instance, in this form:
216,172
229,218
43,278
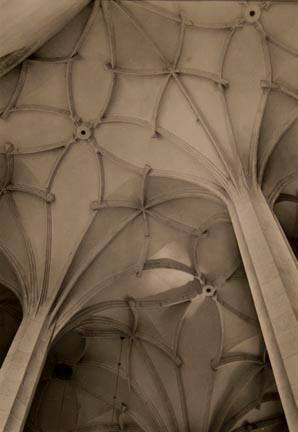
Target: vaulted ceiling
120,138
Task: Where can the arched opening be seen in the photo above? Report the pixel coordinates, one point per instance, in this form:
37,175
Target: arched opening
55,405
286,210
10,319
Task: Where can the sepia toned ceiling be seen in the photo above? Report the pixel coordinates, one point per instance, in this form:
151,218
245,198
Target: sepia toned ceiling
120,140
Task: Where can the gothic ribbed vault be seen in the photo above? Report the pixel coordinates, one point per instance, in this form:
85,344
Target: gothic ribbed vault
121,140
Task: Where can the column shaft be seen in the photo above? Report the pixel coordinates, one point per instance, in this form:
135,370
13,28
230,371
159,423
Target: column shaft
20,372
272,273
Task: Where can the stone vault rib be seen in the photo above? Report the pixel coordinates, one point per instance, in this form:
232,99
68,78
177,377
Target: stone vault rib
234,182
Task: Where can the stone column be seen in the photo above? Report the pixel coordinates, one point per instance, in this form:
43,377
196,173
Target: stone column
21,371
272,273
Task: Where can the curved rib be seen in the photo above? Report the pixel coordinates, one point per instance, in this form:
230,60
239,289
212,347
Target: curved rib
187,193
41,108
155,416
141,31
270,397
137,72
254,141
53,60
172,17
23,295
41,149
192,151
203,122
69,64
230,359
86,28
33,292
238,313
109,31
241,385
31,190
211,76
161,347
286,89
159,385
282,45
179,226
274,140
48,256
72,318
17,91
145,246
168,263
280,185
180,42
218,357
285,197
121,162
62,296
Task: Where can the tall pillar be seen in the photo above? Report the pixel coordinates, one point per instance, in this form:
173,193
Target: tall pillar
272,273
21,371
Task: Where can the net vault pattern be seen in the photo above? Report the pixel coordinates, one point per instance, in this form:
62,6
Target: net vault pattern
121,137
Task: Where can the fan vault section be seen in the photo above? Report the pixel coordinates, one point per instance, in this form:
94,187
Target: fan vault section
143,150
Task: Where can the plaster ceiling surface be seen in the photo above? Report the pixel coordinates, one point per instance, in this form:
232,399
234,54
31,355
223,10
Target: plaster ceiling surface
119,138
